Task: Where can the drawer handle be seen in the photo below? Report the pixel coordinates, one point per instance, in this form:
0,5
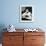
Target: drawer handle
33,39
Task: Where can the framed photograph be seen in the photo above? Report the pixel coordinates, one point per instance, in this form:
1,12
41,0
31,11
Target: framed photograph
26,13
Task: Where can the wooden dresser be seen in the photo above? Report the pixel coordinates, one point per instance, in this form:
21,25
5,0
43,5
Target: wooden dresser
23,38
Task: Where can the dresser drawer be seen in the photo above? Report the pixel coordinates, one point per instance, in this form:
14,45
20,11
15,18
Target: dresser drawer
34,33
37,45
37,40
13,33
12,39
8,45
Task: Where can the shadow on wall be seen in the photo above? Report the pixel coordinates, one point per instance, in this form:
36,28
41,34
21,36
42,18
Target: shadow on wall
2,26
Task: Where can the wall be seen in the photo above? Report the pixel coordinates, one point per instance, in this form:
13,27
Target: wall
10,10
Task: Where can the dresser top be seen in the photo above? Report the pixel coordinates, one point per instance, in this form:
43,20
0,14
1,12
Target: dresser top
22,30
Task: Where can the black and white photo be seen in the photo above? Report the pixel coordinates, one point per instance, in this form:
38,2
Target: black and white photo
26,13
